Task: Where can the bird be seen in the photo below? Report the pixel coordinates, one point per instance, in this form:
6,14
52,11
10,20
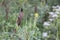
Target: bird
20,17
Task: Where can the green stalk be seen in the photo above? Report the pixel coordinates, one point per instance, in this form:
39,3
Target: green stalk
26,35
30,24
35,20
57,30
3,29
6,29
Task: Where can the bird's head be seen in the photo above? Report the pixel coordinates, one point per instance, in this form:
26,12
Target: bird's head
21,9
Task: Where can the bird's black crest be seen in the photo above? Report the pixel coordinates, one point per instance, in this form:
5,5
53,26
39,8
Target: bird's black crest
21,9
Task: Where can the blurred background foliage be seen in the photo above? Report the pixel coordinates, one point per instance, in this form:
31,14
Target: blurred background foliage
28,30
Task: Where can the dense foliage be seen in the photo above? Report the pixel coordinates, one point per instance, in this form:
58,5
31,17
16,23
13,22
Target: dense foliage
32,26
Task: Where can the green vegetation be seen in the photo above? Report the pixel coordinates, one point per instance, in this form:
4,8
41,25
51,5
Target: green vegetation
32,26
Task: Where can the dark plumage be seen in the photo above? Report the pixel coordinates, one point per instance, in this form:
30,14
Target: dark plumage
20,17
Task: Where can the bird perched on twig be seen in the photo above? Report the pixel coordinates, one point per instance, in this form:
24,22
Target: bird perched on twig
20,17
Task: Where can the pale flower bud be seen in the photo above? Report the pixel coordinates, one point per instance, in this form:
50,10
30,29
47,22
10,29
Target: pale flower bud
45,34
